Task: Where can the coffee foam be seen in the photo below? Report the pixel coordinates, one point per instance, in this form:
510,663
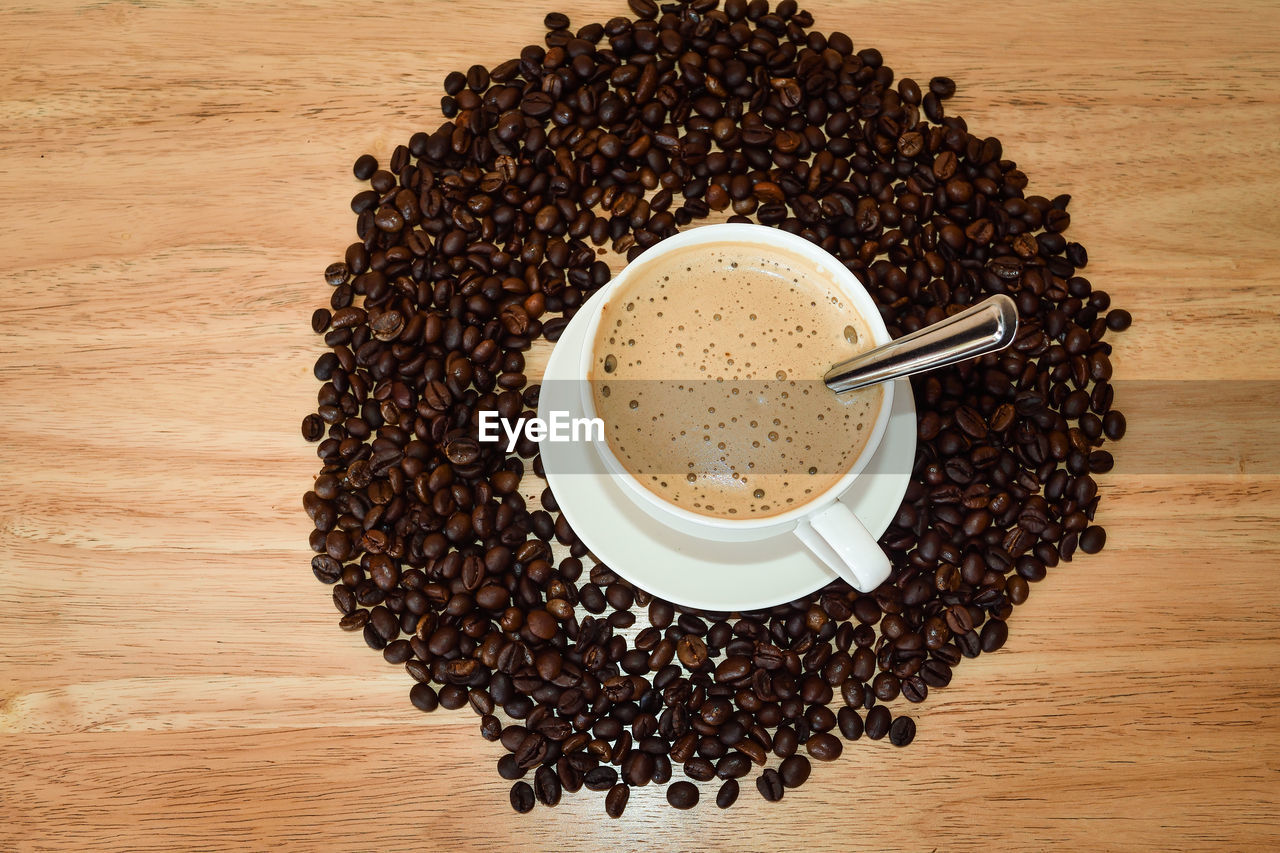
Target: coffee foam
707,372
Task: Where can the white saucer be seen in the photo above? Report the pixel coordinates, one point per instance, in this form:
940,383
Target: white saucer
726,576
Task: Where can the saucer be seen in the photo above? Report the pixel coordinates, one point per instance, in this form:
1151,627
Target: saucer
685,570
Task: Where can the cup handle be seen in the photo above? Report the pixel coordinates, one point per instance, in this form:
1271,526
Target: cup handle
837,538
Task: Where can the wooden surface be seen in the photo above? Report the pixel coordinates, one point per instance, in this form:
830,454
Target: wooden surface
174,179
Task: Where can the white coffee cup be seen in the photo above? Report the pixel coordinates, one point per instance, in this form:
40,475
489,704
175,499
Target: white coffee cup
823,525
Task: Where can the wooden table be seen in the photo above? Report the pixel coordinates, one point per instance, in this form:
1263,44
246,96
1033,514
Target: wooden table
174,179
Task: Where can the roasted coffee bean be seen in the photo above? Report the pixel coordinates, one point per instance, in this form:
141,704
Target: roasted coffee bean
600,778
825,746
969,643
993,635
794,771
615,802
886,686
1113,425
878,721
692,651
365,166
522,797
570,776
508,768
320,319
752,750
902,731
619,596
644,9
682,795
637,768
699,768
424,697
735,765
850,723
728,794
769,784
1093,539
541,624
943,87
691,624
546,785
661,613
312,428
915,689
1118,319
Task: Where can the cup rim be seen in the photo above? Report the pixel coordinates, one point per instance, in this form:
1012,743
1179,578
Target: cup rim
739,232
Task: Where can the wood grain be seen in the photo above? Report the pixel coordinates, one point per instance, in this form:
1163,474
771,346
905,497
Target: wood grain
175,177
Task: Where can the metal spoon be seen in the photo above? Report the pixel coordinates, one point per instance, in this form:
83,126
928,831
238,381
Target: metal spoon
986,327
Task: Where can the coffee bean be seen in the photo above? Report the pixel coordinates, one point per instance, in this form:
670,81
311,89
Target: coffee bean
943,87
336,273
387,326
994,634
692,651
1113,425
886,686
312,428
423,697
541,624
794,771
915,689
637,768
615,802
878,722
546,785
735,765
733,668
1093,539
365,166
1119,319
477,78
508,768
850,723
682,795
643,9
825,746
700,769
969,643
571,778
728,794
769,784
600,778
619,596
522,797
902,731
1100,462
320,319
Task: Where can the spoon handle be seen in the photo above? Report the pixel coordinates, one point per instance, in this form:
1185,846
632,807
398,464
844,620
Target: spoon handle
986,327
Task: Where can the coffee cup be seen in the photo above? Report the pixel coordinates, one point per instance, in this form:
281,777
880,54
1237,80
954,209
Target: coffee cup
819,521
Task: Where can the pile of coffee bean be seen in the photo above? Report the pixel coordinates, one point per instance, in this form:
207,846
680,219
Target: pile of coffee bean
482,236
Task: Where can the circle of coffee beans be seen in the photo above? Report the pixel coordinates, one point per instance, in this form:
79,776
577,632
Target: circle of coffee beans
481,236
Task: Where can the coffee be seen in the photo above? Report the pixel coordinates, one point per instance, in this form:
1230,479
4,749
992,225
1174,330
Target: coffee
707,372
